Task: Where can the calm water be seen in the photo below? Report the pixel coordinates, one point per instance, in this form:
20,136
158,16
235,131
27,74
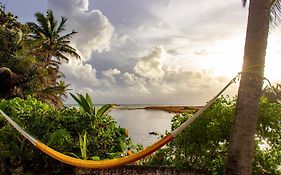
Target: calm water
140,122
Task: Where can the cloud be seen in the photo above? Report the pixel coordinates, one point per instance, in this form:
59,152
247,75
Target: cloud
165,74
94,29
152,80
110,74
80,74
154,76
169,3
201,52
135,83
151,66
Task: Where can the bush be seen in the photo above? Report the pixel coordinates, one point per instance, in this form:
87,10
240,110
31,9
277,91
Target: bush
62,130
203,145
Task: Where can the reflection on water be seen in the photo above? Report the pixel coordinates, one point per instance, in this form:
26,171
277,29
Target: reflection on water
140,122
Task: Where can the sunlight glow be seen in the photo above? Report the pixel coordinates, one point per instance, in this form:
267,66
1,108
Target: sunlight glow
224,58
272,68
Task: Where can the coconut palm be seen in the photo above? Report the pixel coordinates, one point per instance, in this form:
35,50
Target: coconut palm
53,94
262,13
30,56
53,48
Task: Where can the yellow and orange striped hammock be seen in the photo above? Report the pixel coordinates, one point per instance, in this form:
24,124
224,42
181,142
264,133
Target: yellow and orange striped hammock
104,164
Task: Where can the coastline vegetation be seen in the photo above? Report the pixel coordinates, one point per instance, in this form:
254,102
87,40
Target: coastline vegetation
204,144
71,131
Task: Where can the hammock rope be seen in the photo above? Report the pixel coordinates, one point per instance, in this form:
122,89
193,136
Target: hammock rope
104,164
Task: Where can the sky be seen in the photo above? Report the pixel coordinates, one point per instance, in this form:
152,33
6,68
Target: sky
153,51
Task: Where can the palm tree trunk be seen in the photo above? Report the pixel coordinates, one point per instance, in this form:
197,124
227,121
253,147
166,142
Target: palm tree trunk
241,144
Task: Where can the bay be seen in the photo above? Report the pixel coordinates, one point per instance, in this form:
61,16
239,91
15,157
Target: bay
141,122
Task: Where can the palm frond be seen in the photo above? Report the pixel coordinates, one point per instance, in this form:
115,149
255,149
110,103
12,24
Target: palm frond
59,56
62,24
43,23
67,36
53,94
51,19
66,49
52,25
244,2
35,29
64,42
275,13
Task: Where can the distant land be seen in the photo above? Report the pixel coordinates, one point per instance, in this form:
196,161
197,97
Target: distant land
174,109
166,108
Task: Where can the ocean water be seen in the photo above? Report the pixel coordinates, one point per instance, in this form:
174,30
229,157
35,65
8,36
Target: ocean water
140,122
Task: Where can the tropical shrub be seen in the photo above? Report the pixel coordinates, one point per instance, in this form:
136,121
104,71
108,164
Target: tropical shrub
61,129
203,145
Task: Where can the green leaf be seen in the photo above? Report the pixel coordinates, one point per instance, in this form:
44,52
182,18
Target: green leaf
90,103
85,105
76,99
95,158
89,100
58,137
83,145
103,110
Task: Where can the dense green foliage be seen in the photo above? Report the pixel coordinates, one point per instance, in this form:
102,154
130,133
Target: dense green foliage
30,57
70,131
204,144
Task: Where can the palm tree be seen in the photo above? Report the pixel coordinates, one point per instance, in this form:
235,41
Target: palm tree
51,49
53,46
241,144
53,94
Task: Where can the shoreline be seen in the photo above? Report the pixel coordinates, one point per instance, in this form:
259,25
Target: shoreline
174,109
168,108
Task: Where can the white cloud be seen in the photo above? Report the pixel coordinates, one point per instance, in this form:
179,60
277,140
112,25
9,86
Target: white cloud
79,74
135,83
151,66
110,74
177,85
94,29
169,3
193,64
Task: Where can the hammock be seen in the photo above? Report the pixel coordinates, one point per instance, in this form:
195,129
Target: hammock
104,164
